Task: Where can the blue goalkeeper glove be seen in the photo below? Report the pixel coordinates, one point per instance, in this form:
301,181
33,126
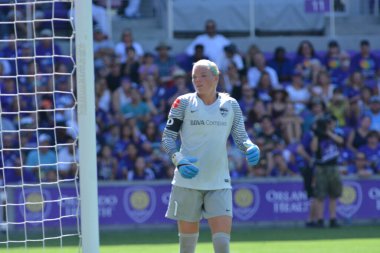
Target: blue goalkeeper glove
185,165
186,168
252,153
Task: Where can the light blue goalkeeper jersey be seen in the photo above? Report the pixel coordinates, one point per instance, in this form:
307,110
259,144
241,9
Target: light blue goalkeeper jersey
204,130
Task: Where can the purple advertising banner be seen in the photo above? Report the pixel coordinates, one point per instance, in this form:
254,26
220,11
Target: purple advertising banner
317,6
145,203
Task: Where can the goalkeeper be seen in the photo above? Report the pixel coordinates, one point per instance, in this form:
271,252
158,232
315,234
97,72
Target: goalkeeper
202,184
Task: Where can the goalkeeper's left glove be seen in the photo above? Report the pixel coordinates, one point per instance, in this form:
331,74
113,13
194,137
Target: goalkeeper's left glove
252,153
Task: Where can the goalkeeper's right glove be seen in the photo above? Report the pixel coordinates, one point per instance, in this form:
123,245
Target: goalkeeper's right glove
185,165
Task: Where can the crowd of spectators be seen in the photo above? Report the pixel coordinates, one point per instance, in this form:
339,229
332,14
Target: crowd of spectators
38,123
280,93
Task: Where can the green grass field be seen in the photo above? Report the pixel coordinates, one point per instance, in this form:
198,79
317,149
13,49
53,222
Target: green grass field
354,239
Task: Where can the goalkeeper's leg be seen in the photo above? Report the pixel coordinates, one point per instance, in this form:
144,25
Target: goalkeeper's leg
221,230
185,206
188,236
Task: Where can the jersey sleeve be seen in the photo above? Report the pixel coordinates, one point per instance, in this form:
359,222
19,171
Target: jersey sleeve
173,125
238,132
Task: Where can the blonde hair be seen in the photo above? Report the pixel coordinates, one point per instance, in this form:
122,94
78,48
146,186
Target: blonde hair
209,64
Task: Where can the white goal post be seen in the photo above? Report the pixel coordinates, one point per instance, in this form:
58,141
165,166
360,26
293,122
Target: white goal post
48,170
86,121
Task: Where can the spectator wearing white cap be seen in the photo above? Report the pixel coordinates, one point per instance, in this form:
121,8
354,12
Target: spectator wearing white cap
43,160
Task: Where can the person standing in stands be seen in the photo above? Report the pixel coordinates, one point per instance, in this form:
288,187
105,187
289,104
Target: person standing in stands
212,42
201,185
325,147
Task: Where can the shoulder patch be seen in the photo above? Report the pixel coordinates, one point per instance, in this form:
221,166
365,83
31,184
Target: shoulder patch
176,103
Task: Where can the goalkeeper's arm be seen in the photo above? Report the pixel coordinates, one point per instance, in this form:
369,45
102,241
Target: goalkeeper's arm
184,164
240,136
173,125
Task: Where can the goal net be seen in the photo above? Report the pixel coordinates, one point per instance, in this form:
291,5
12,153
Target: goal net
39,193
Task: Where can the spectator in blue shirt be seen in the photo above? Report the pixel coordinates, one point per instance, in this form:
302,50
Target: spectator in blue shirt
9,52
279,167
360,166
341,73
140,171
374,113
187,61
127,163
332,58
43,160
45,50
282,65
372,150
306,61
365,61
107,164
358,135
165,62
8,98
137,109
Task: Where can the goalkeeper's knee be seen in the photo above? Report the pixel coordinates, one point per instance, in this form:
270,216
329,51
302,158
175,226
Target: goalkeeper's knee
187,242
221,242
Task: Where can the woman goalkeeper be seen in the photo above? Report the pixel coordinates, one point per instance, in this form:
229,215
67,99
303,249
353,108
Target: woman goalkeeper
202,184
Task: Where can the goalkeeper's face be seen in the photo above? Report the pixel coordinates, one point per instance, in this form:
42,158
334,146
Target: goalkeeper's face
204,80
